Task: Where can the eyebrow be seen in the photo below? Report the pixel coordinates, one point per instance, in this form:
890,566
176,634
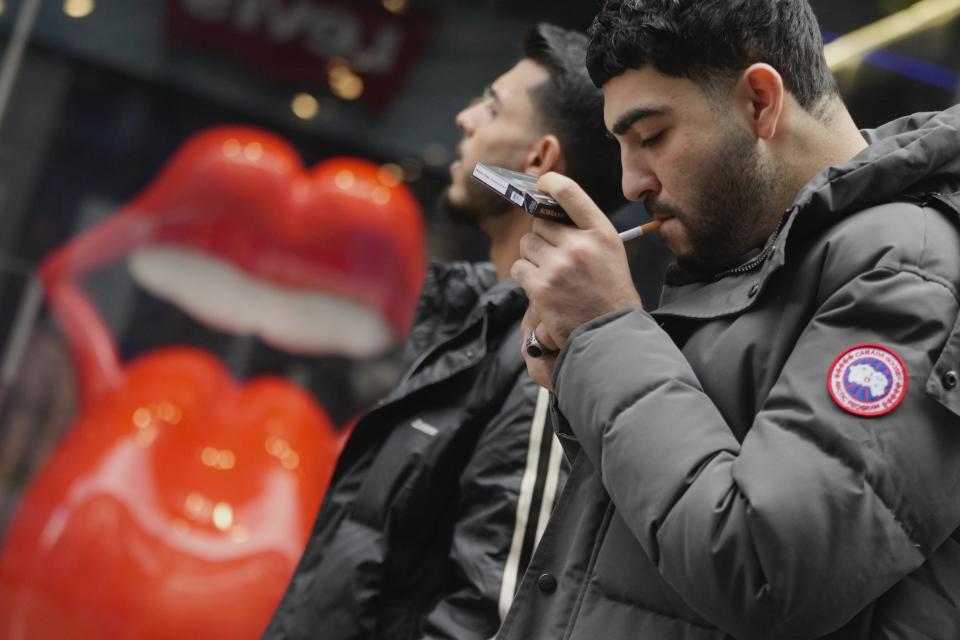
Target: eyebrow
490,92
632,117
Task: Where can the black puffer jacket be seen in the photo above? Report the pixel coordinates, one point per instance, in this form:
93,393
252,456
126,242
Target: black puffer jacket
775,454
441,491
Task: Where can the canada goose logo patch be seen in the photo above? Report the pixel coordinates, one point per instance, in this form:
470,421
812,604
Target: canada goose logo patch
868,380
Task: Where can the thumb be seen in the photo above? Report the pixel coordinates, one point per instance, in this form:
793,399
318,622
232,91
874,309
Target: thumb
574,200
546,339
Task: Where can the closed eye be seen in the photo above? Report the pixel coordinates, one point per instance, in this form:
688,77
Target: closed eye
492,99
653,140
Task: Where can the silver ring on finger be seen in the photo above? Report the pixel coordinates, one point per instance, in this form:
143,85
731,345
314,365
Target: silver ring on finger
533,346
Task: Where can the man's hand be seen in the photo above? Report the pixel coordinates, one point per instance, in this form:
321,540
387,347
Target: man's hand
571,275
539,368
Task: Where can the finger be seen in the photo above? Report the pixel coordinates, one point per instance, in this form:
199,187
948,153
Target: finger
541,369
525,273
535,362
537,349
529,348
545,339
531,317
530,320
574,200
534,248
552,233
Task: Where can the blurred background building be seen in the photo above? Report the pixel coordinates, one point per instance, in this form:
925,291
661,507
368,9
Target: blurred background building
96,96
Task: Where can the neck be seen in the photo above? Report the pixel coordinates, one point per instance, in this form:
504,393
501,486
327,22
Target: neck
505,232
818,144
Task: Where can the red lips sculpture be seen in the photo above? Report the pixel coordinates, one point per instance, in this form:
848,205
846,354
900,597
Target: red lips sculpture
179,502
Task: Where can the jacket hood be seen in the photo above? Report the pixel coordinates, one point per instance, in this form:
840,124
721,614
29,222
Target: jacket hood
455,287
454,293
907,159
911,156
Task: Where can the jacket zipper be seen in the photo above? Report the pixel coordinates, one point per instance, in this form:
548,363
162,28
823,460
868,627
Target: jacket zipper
939,197
764,255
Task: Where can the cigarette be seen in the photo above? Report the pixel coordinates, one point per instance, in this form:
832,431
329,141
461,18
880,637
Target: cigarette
642,230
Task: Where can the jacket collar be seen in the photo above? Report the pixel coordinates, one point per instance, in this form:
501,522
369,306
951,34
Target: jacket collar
458,294
912,156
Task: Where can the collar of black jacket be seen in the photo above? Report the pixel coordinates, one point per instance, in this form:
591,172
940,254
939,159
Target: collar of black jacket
463,335
456,294
454,287
503,304
450,292
906,159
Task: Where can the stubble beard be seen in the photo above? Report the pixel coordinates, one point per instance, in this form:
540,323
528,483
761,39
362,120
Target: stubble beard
479,202
731,205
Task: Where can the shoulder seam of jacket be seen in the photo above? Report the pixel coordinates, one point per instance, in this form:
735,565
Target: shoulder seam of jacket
919,272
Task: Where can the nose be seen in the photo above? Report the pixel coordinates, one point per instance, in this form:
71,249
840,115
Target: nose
639,181
465,120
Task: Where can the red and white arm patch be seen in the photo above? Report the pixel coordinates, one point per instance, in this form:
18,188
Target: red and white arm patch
868,380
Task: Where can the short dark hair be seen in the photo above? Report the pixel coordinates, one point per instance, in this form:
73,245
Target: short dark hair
571,108
712,42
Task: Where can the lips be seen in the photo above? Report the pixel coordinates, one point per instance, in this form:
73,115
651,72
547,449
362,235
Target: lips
667,224
239,198
657,213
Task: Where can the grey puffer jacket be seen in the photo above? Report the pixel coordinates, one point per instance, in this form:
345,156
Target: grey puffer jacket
775,454
442,489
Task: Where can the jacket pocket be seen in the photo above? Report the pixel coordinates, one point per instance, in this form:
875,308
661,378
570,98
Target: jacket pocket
408,457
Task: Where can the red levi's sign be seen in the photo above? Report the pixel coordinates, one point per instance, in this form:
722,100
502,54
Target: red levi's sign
293,41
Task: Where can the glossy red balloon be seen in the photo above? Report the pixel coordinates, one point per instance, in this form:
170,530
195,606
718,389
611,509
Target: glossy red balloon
178,503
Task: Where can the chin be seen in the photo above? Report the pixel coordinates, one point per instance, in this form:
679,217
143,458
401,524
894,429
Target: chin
675,244
453,199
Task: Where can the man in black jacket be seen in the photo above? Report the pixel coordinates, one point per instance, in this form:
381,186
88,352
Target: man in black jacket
443,490
775,452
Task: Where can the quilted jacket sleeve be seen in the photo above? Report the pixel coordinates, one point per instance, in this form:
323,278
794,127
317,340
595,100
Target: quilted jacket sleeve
817,512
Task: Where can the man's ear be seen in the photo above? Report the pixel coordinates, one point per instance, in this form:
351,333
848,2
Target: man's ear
761,94
546,155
